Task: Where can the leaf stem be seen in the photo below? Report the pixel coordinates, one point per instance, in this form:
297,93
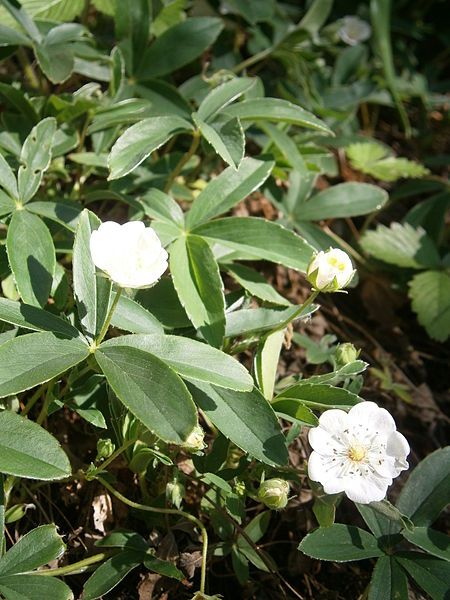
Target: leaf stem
297,313
166,511
248,62
107,323
75,568
183,160
2,516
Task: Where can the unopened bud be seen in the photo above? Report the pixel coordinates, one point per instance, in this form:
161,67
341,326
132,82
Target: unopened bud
104,449
330,271
195,441
345,354
274,493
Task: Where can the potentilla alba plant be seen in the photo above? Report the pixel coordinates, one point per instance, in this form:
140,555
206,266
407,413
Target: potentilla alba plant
330,271
359,452
130,254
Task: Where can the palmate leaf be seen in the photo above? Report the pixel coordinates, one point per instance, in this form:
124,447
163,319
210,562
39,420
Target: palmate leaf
430,296
401,245
374,159
340,543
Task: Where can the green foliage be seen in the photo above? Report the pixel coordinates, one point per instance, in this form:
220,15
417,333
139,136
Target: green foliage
103,120
375,160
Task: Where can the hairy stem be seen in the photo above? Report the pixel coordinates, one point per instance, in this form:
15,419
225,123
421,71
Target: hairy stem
183,160
166,511
107,323
75,568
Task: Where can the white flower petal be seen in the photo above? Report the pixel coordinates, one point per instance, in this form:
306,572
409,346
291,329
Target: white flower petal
369,414
366,489
334,485
322,441
334,421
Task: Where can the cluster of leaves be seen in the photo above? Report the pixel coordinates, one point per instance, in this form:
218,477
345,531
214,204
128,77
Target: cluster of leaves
145,139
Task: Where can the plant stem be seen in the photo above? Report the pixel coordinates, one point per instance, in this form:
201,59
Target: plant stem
166,511
75,568
107,323
248,62
183,160
30,74
48,397
113,457
297,313
31,402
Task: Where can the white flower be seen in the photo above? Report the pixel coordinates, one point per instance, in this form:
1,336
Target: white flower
131,254
354,30
330,271
359,452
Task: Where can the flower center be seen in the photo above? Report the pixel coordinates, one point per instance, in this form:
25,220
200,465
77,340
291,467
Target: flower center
357,452
334,262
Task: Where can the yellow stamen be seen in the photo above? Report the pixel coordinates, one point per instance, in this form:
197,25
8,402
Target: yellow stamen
357,453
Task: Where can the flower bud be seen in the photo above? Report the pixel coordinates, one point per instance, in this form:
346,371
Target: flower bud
274,493
175,492
195,441
345,354
104,449
330,271
354,30
130,254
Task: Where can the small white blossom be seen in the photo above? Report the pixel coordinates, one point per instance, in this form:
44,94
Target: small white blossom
196,440
359,452
330,271
274,493
130,254
354,30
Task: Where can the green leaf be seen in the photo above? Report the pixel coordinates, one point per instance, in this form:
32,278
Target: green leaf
401,245
162,301
250,235
320,396
56,61
22,17
64,213
92,292
342,200
294,410
150,389
287,147
430,298
11,37
427,490
373,159
246,418
125,112
378,524
163,567
121,538
132,21
191,359
388,581
34,587
433,542
18,101
324,511
35,358
226,136
227,189
35,158
131,316
197,280
140,140
33,550
252,281
7,178
36,319
254,320
223,95
7,204
340,543
32,260
27,450
111,573
430,214
266,362
335,377
192,37
158,205
275,109
431,574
